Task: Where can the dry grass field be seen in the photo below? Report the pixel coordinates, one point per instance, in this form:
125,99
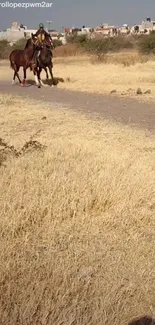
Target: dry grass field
77,222
122,72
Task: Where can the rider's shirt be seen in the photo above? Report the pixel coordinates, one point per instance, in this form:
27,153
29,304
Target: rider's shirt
41,37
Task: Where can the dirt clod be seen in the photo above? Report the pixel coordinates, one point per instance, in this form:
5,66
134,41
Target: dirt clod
139,91
148,91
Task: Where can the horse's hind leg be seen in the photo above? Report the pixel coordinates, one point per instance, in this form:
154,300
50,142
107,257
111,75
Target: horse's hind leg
16,69
14,76
18,77
24,80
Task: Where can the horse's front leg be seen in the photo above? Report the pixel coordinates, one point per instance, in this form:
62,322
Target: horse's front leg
39,78
34,68
24,80
51,73
47,76
35,72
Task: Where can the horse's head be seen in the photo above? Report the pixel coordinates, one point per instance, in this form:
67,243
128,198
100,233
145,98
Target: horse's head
48,41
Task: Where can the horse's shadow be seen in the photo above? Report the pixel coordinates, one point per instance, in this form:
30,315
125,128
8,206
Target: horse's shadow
47,81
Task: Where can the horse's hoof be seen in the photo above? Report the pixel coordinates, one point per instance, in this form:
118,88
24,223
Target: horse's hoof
23,82
39,86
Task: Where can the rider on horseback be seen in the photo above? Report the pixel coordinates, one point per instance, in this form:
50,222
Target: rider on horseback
41,34
43,37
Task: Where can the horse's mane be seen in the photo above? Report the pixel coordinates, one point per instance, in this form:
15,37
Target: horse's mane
27,43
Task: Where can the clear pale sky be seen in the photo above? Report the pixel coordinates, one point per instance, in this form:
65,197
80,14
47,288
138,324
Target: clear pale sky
76,13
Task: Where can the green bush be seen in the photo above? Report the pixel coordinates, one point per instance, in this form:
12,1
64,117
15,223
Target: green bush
4,49
96,47
20,44
57,42
102,45
78,39
3,43
146,43
105,45
81,40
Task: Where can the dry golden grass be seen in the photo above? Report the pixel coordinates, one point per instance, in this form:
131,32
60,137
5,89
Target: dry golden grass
67,50
103,77
123,72
77,222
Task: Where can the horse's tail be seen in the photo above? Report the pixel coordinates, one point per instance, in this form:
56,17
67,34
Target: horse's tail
11,64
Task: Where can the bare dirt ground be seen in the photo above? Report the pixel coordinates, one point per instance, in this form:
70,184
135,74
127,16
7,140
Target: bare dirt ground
124,110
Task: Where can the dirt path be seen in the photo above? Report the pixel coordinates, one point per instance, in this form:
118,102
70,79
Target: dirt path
122,110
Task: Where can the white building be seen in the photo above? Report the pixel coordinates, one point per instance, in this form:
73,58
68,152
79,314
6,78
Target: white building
16,32
145,27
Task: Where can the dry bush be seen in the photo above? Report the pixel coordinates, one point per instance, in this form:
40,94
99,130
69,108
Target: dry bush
7,150
147,43
77,220
124,58
6,49
67,50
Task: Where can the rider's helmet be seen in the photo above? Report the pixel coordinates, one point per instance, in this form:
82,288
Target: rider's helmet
41,26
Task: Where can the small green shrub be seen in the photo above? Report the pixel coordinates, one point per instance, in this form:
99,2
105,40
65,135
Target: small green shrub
146,44
4,49
78,39
105,45
57,42
102,45
20,44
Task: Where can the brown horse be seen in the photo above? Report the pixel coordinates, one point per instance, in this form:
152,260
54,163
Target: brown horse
44,58
25,58
44,61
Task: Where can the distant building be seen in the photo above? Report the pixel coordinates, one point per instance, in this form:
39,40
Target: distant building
53,32
16,32
67,30
145,27
106,30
